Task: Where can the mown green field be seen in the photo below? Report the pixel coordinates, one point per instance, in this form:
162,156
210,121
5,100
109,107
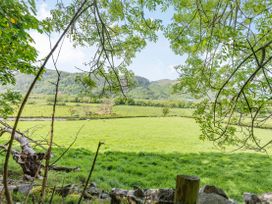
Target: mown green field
82,109
149,153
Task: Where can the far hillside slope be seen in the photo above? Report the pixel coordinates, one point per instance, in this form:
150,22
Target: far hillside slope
144,89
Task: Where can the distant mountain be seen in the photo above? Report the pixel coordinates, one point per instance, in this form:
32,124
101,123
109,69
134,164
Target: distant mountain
161,89
68,84
144,89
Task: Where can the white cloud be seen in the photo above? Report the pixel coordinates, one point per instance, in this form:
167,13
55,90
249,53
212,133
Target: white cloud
70,57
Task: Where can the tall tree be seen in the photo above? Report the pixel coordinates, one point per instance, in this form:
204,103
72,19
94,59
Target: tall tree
17,18
228,68
115,28
17,54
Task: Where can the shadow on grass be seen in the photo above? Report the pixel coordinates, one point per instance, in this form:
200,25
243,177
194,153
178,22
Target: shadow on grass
236,173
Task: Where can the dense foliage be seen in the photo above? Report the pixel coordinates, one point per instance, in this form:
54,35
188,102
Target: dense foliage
17,18
228,44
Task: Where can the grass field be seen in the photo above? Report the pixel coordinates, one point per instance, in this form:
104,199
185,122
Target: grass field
80,109
150,152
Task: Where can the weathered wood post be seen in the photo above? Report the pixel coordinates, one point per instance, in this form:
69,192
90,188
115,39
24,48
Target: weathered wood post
187,188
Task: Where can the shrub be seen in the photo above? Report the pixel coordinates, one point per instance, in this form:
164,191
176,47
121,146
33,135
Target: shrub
120,101
130,101
165,111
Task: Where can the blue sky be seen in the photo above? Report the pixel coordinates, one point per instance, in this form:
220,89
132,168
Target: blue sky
155,61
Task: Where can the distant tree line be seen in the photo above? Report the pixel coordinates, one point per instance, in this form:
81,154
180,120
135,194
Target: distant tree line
123,101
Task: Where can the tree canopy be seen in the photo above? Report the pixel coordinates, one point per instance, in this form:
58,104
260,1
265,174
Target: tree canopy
228,44
116,29
17,18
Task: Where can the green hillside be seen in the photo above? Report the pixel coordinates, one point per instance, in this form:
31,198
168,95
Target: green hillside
144,89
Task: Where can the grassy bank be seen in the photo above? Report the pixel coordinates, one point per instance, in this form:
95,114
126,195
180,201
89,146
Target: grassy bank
235,173
149,153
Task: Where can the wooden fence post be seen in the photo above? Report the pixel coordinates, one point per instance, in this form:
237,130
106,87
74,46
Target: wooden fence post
187,188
